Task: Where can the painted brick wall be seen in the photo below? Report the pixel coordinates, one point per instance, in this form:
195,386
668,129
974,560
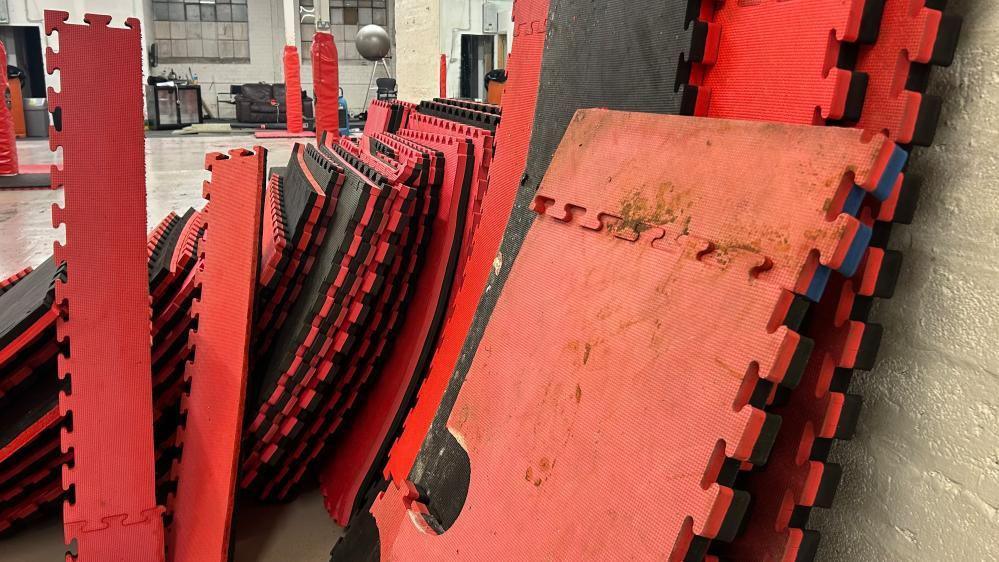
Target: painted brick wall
418,48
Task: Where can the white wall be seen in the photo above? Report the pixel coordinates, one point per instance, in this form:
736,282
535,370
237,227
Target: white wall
418,48
266,60
266,46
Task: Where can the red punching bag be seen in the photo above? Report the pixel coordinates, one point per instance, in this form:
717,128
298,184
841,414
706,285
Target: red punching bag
326,83
8,147
293,89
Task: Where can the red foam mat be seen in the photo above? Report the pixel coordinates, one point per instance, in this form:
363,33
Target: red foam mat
776,60
513,134
360,446
357,259
549,369
808,229
794,476
379,117
482,140
206,472
603,178
9,282
114,515
908,37
392,307
335,367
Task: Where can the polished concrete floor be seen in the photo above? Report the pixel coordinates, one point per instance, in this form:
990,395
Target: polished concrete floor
175,170
300,531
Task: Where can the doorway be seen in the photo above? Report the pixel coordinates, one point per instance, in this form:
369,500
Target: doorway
24,50
476,60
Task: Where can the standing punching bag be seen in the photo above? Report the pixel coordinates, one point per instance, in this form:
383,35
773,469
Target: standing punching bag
326,83
292,89
8,147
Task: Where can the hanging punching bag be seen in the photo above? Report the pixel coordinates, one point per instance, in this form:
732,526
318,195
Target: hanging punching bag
326,83
293,89
8,147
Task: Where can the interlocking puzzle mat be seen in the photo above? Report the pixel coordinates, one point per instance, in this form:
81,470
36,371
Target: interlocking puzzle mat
530,27
370,319
166,289
471,104
482,140
29,382
206,472
364,363
400,115
111,510
310,172
361,446
9,282
293,204
27,309
385,116
311,179
360,214
777,61
355,297
161,258
559,95
914,36
481,119
811,229
797,477
596,321
28,365
155,238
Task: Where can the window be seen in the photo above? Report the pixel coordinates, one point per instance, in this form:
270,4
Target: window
346,17
202,31
307,14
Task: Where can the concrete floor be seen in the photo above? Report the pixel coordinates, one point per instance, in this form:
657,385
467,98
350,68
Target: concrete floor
300,531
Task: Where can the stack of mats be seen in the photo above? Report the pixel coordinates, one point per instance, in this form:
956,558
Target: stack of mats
883,52
346,312
30,460
297,208
894,61
440,335
386,116
633,252
579,71
461,157
356,234
30,457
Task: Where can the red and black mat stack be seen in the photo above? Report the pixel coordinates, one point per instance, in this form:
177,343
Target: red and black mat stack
362,315
824,65
361,243
31,457
616,317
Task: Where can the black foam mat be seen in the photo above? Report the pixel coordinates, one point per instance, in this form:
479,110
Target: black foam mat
28,301
351,204
352,166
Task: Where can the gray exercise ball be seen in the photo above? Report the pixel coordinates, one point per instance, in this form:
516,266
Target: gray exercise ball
373,42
